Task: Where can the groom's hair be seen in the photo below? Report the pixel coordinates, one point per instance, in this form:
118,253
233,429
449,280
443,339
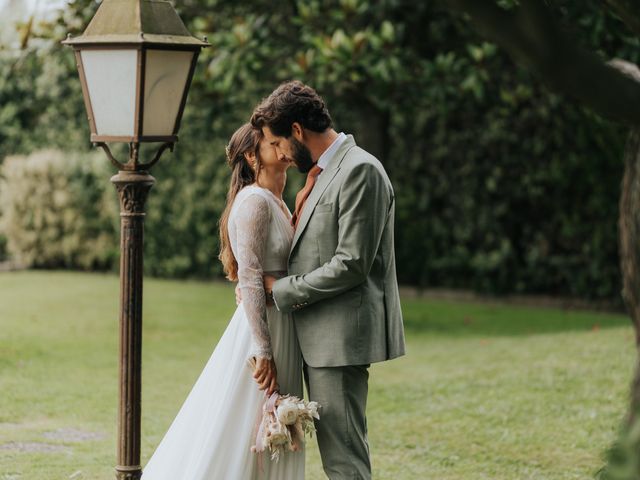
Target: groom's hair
292,102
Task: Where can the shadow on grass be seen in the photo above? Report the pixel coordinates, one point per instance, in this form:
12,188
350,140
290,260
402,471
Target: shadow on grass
471,319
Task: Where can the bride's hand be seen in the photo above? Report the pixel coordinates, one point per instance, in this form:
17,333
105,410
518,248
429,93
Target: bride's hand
265,374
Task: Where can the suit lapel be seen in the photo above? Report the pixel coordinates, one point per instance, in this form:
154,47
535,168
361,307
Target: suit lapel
321,185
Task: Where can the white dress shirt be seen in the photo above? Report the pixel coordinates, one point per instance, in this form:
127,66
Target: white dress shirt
323,161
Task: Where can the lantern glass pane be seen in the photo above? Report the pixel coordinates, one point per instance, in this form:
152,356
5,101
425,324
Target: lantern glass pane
165,80
111,80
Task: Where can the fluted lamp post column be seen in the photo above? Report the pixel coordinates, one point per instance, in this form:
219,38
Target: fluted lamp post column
136,60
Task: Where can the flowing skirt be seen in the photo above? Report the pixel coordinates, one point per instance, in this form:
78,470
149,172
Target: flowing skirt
211,437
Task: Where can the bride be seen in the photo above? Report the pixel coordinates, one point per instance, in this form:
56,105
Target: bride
211,437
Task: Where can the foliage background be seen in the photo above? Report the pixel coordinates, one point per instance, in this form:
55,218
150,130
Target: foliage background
502,186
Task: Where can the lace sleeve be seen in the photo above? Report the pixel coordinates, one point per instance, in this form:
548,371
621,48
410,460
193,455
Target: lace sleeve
252,226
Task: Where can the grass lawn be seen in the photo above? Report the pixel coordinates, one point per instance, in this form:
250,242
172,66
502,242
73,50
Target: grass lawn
485,392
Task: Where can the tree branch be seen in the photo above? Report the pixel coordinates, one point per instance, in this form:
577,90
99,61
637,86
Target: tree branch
533,38
628,11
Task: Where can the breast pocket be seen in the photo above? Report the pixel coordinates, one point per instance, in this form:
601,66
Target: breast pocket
323,208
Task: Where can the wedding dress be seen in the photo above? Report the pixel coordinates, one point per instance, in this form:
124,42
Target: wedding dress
211,436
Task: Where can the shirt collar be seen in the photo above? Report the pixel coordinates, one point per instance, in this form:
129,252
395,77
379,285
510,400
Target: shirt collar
326,156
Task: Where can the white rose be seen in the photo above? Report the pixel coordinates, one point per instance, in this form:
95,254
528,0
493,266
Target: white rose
287,413
279,438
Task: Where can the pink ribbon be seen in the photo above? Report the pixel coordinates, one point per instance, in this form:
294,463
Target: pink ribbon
269,406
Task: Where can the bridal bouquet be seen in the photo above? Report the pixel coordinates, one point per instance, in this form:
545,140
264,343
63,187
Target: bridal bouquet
285,421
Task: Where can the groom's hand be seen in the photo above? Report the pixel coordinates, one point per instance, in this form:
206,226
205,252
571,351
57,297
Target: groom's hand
265,374
268,288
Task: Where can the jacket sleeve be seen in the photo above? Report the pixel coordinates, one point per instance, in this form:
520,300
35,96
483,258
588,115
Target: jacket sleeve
363,209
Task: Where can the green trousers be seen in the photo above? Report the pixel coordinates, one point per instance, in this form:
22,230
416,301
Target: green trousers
342,428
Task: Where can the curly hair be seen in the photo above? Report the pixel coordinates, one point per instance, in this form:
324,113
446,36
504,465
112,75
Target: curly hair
292,102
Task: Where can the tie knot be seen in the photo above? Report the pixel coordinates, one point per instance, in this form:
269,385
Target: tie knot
315,171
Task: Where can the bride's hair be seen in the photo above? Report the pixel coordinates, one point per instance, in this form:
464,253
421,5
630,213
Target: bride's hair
245,140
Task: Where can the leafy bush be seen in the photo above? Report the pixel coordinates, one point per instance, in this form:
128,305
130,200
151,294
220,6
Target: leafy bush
58,211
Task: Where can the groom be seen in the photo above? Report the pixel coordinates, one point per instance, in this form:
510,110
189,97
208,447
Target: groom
341,289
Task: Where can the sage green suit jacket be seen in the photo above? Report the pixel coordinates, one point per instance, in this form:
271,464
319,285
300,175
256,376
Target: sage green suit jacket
342,288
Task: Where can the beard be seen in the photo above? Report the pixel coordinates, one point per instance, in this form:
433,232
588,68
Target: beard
301,156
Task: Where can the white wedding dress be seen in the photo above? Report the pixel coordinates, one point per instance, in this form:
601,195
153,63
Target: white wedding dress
211,436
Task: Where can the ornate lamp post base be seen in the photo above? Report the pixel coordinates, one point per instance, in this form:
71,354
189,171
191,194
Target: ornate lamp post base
133,188
129,473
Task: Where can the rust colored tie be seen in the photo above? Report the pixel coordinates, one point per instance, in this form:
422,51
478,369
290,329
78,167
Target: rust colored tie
303,194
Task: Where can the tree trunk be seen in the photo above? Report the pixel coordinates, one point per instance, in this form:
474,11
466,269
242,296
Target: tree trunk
373,132
629,233
531,35
628,11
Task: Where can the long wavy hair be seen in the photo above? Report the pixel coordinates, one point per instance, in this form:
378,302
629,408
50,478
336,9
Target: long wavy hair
245,140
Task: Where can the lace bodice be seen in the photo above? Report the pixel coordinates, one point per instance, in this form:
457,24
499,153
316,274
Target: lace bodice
260,233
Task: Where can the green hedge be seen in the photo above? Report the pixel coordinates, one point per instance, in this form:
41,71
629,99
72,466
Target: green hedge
58,212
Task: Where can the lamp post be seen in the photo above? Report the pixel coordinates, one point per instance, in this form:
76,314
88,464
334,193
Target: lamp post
136,60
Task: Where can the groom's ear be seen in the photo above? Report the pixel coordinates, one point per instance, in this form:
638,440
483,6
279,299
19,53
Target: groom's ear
297,131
